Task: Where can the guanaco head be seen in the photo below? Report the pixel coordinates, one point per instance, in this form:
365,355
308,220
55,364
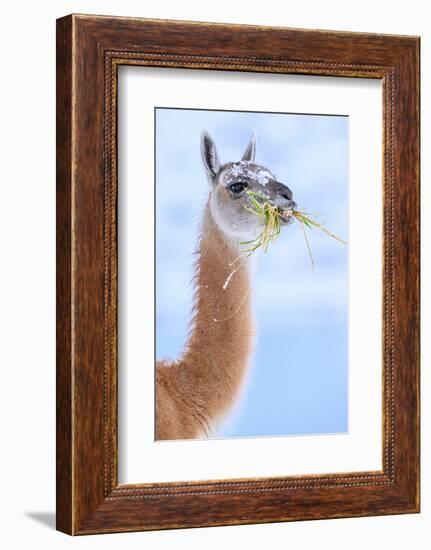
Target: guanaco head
229,186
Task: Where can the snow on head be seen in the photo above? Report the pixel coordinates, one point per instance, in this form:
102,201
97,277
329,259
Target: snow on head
244,169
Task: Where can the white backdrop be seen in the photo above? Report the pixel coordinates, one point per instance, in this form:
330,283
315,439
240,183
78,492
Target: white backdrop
27,122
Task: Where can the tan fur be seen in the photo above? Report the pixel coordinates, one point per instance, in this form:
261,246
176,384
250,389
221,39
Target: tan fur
195,393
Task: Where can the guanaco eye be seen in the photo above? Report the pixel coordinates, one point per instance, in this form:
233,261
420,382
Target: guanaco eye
237,187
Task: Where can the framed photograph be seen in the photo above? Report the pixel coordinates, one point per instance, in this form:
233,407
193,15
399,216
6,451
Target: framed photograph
237,274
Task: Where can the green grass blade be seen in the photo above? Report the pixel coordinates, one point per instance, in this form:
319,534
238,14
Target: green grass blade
270,216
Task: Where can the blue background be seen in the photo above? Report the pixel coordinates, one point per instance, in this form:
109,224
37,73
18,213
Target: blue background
298,376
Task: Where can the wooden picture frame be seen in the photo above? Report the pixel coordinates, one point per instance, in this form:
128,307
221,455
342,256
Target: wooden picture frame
89,51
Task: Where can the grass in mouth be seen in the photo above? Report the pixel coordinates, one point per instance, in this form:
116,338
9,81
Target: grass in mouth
272,217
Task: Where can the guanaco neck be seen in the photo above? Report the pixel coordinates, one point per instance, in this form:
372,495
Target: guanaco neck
217,354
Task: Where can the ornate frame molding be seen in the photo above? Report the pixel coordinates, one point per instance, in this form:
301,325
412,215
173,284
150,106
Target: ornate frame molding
90,49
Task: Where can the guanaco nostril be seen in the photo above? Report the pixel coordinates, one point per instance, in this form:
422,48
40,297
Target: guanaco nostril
286,196
283,191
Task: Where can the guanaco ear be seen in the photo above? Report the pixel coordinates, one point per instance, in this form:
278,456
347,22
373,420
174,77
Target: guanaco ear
250,152
209,155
